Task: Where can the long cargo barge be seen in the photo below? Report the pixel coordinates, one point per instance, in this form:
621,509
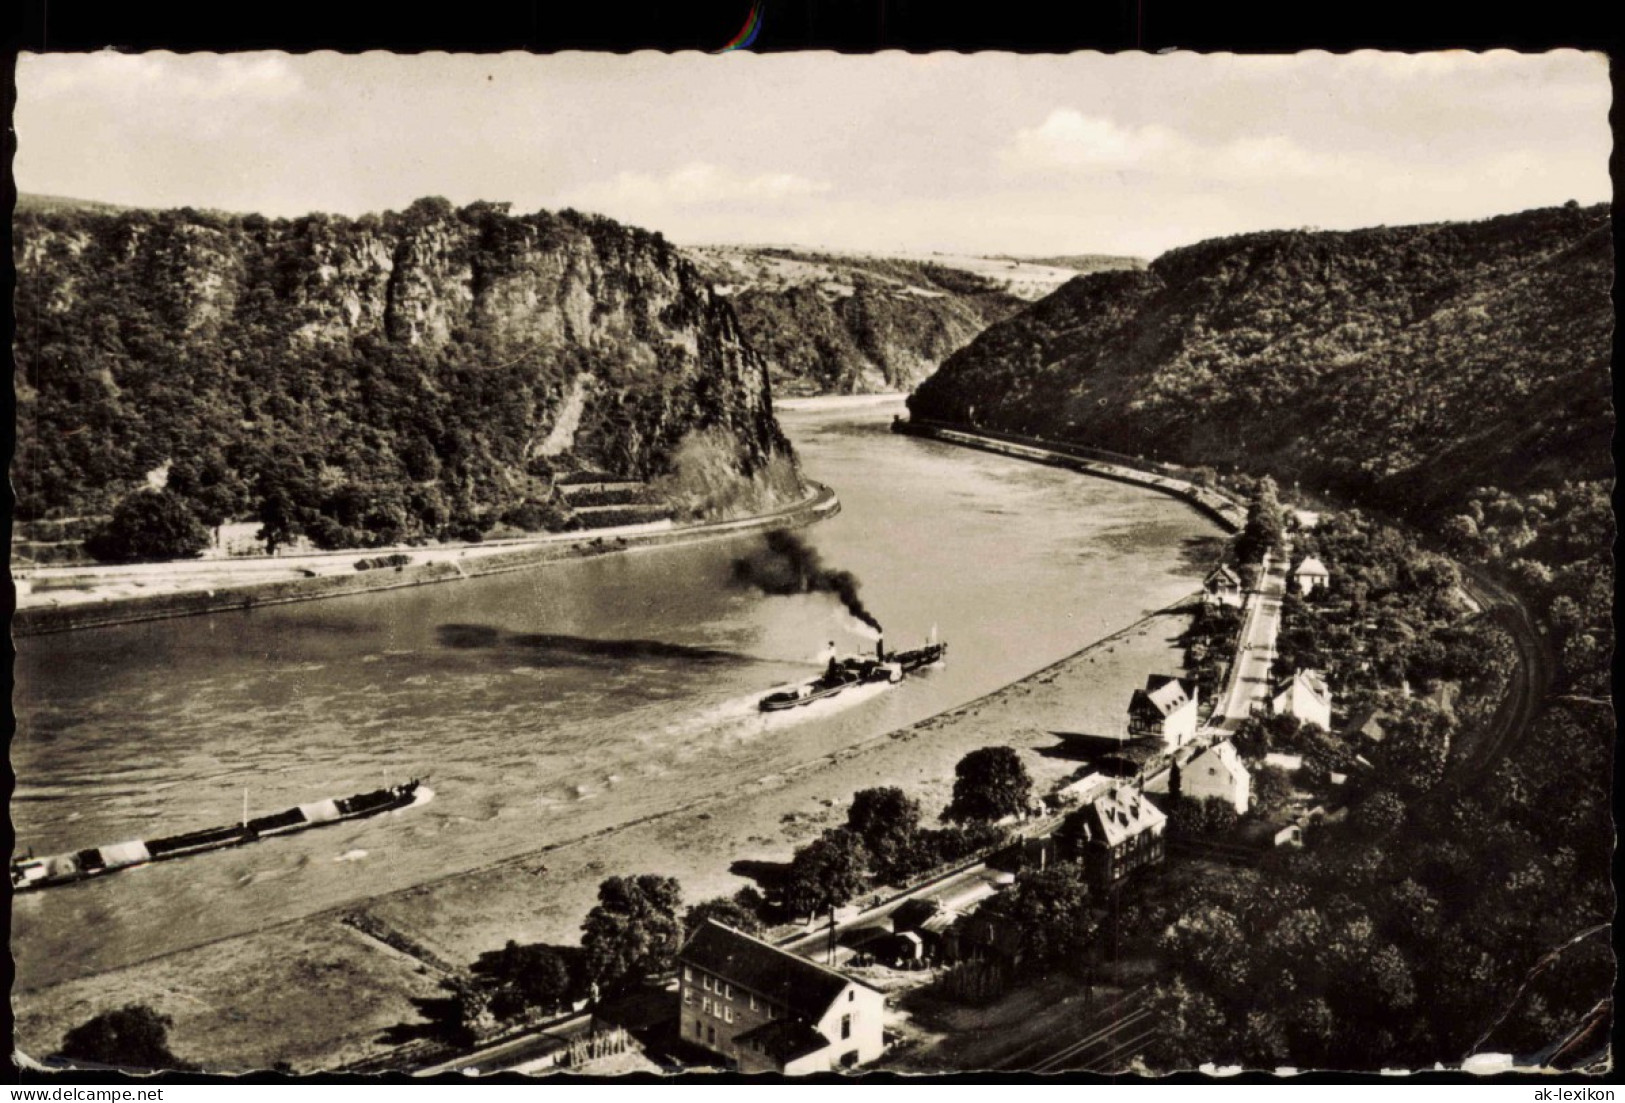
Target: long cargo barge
62,869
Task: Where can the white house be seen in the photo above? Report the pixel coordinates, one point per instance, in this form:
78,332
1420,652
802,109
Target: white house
1311,575
1217,773
763,1009
1222,586
1307,698
1165,708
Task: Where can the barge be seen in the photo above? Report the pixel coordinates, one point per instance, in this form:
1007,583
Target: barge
29,873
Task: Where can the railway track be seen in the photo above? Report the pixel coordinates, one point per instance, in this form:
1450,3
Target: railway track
1111,1038
1527,683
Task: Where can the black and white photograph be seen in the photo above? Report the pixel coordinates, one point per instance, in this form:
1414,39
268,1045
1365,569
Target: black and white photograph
799,564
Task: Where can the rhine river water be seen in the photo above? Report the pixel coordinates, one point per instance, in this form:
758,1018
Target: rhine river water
544,703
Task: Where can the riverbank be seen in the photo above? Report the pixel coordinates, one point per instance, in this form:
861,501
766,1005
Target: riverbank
317,994
1214,503
62,599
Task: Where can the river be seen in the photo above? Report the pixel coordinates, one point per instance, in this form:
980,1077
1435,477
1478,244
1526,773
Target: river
545,703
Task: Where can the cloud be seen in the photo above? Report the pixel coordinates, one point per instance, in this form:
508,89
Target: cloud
699,184
169,77
1070,140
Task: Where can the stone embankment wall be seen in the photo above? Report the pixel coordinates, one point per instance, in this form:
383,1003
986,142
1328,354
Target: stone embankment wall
1226,510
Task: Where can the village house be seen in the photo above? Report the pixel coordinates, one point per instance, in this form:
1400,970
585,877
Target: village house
1311,575
1165,709
1222,586
1307,698
1216,773
763,1009
1115,835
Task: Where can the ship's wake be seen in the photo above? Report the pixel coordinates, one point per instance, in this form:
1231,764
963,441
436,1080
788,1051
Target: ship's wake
741,719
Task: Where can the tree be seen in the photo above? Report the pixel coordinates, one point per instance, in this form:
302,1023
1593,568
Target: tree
1271,792
989,784
1259,735
1415,747
724,909
826,873
1193,1028
633,930
1207,946
1205,818
525,978
1050,907
133,1036
280,517
1378,814
1265,531
887,820
149,525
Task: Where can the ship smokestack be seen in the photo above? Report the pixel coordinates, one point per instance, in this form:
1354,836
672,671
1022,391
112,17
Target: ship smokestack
880,649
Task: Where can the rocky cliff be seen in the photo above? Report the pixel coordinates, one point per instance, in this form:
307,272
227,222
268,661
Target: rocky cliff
846,323
1410,364
377,378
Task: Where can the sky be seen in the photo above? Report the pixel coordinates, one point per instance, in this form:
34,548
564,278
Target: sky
980,153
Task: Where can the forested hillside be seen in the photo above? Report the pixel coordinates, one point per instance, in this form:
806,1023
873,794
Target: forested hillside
850,324
1458,375
1408,364
367,380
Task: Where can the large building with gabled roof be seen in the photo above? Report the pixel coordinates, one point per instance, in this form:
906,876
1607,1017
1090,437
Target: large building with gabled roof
763,1009
1114,835
1165,709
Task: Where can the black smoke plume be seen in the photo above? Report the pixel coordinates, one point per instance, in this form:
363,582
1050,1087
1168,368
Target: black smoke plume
785,564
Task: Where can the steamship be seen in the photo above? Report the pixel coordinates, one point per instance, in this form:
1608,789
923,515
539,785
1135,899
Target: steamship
856,670
61,869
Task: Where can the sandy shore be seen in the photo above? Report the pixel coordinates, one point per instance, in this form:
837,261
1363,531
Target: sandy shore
315,993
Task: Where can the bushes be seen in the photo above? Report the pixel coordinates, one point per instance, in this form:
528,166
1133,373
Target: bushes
381,562
522,980
149,525
133,1037
1201,819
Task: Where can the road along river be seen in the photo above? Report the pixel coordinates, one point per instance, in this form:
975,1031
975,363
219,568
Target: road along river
551,704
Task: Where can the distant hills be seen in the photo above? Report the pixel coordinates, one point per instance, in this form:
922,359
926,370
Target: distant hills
1406,363
853,323
29,202
1083,262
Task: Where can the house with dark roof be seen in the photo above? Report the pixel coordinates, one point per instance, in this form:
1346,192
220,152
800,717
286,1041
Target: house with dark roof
763,1009
1114,835
1165,709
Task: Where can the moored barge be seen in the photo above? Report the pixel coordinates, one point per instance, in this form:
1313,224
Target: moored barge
61,869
